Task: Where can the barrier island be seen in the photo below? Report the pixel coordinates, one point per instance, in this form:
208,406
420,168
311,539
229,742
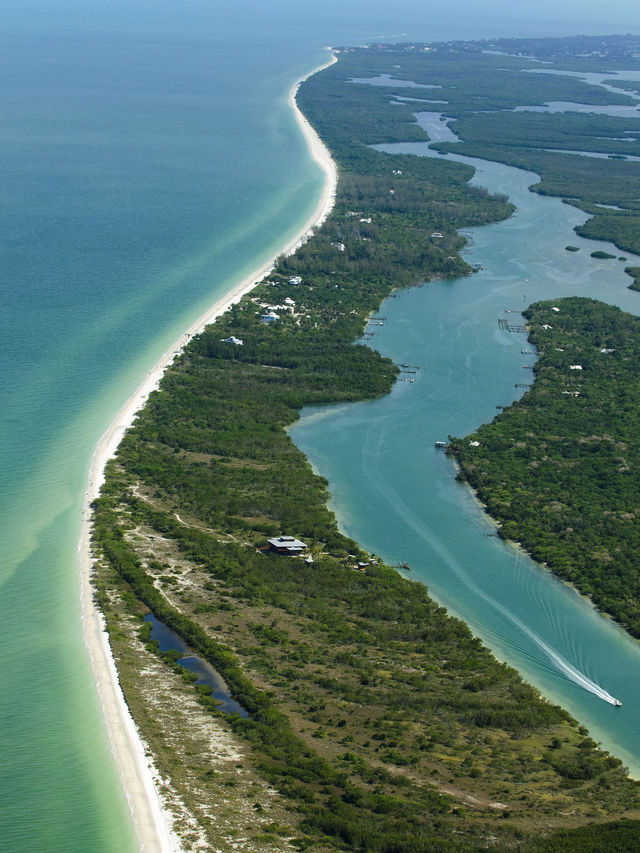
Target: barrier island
371,720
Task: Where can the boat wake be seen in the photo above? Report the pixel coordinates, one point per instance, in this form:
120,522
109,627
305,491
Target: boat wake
570,671
550,659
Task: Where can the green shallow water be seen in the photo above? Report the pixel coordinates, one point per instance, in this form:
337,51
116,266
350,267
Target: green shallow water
395,493
151,169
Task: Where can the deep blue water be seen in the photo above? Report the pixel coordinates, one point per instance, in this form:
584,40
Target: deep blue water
149,162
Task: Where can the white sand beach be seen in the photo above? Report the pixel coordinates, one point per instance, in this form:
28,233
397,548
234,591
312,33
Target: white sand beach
152,822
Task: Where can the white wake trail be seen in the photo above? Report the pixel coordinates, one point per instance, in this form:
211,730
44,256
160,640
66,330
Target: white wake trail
559,664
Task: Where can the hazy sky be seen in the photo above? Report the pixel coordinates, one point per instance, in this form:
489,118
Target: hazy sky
333,20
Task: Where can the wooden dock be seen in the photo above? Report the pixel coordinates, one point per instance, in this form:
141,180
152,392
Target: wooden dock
506,326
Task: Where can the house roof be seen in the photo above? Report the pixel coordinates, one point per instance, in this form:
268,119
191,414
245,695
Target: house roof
287,543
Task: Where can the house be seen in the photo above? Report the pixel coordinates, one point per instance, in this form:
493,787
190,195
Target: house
271,317
286,545
575,367
295,279
233,340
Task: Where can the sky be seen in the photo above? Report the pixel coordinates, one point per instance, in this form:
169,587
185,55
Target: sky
333,19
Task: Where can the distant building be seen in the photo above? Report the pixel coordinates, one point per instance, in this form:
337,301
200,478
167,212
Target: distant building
287,545
271,317
233,340
295,279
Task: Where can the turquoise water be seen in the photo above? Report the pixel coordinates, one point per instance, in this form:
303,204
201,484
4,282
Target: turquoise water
146,173
395,493
149,162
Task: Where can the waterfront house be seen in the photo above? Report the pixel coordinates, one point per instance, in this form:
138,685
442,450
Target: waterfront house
287,545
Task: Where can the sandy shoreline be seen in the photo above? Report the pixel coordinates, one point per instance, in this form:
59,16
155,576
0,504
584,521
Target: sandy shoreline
151,823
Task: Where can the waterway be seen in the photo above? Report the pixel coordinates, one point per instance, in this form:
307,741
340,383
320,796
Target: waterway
397,494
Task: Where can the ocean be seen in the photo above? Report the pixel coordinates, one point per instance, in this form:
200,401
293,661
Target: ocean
150,161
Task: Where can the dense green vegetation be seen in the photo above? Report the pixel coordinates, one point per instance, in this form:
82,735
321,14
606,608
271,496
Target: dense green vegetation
562,131
559,468
634,272
619,837
382,722
480,92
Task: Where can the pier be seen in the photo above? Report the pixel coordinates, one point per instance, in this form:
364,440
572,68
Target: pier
504,324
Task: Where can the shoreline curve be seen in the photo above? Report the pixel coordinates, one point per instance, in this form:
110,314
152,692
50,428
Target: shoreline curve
151,820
